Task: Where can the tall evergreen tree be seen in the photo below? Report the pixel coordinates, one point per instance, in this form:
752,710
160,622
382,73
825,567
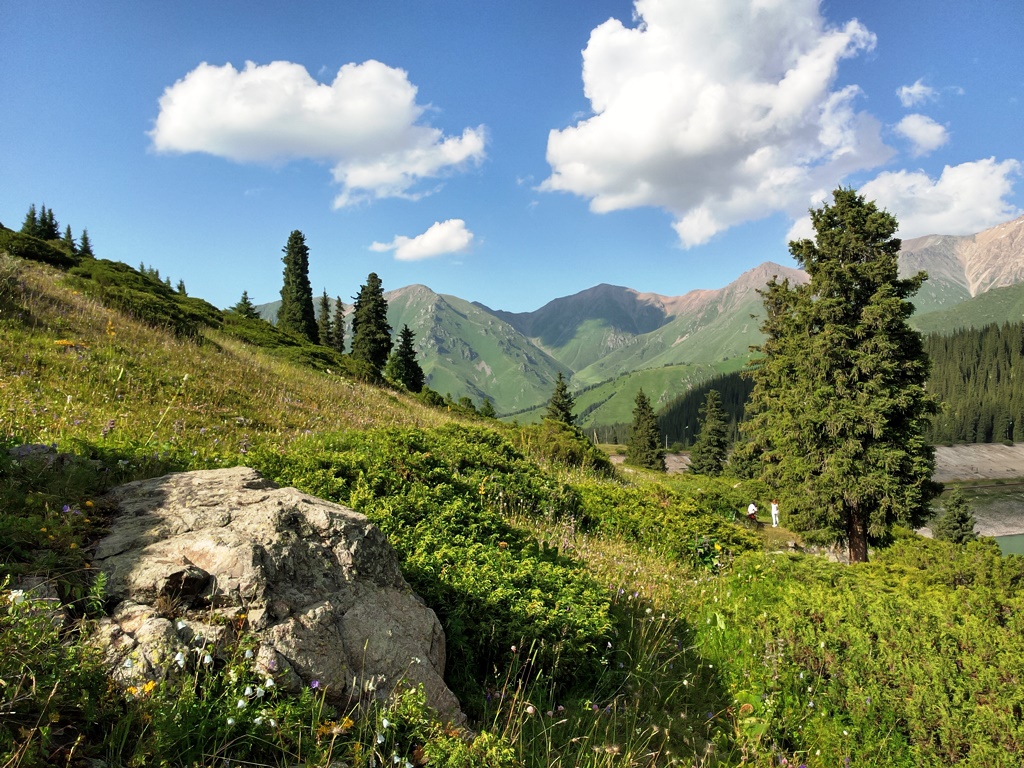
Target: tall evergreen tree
338,326
371,334
31,224
49,229
402,366
487,409
181,288
957,523
246,308
712,445
839,404
561,403
69,240
324,323
642,449
85,245
296,314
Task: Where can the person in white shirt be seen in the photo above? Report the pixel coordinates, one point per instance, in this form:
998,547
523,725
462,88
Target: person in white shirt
775,513
752,512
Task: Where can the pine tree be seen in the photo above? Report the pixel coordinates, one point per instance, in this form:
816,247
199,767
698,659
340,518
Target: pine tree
839,404
69,240
246,308
296,314
487,409
712,445
643,446
31,224
48,227
402,366
957,522
561,404
85,245
325,326
181,288
338,326
371,334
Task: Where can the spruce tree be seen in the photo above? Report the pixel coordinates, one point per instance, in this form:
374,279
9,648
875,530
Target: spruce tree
839,405
371,334
562,402
69,241
487,409
712,445
246,308
31,224
48,227
181,288
402,366
957,522
325,326
643,446
85,245
338,326
296,314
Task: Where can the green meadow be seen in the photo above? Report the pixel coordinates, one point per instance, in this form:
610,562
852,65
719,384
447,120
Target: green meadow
594,616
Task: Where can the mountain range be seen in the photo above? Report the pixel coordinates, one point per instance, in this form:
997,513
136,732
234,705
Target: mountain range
610,341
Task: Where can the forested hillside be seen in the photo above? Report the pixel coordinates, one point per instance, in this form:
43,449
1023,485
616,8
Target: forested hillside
978,374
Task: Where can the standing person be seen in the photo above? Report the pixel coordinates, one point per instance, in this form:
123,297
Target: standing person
752,512
775,513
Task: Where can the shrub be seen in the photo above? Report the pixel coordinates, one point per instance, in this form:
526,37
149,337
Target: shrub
31,248
440,495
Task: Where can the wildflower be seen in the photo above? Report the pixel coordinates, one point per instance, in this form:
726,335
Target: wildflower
241,704
127,664
207,659
380,738
259,692
17,596
530,709
149,686
273,723
385,724
231,721
248,692
89,504
179,658
66,509
314,684
258,720
269,683
248,653
180,626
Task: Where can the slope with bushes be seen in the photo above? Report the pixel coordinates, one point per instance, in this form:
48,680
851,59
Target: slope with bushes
594,617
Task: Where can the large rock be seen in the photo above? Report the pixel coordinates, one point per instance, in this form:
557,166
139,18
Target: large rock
196,556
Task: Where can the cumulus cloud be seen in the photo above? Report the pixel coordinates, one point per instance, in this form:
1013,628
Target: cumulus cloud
716,112
442,237
965,199
918,93
925,134
366,124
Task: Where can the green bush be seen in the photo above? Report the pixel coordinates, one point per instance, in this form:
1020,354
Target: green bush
144,297
440,496
33,249
555,442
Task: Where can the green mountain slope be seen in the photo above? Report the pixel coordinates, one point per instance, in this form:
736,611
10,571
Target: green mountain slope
999,305
467,351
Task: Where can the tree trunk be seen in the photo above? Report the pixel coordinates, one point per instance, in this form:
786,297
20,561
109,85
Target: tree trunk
857,535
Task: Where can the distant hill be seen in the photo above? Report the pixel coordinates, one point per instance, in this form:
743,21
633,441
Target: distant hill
611,340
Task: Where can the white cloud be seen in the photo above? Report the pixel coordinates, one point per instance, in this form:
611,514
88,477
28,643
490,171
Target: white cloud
924,133
717,112
965,199
918,93
442,237
366,123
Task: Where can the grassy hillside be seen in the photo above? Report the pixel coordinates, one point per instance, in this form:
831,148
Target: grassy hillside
593,618
999,305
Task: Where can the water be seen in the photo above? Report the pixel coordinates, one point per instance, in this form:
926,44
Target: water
1011,545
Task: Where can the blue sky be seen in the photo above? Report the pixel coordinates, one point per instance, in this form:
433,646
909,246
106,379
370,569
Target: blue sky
507,153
